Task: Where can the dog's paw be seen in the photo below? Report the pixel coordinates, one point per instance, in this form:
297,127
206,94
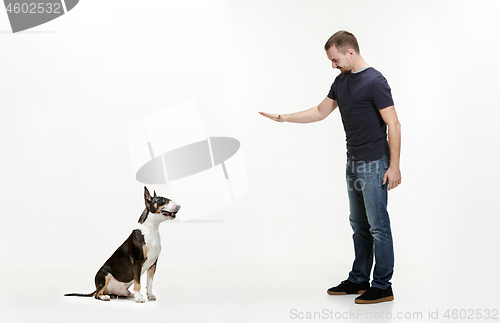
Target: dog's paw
105,298
151,298
140,299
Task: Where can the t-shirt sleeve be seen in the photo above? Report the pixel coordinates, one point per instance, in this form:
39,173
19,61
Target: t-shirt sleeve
381,93
331,94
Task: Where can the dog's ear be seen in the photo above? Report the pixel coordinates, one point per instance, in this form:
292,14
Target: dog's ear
147,196
154,193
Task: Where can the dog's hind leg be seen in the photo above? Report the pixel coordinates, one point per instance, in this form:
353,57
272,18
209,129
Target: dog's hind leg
101,282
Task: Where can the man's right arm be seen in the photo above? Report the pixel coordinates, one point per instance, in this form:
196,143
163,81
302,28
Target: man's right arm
314,114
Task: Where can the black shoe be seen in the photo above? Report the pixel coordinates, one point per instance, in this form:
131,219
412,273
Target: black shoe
374,295
348,287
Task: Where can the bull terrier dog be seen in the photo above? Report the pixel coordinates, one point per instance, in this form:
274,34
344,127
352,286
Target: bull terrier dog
138,254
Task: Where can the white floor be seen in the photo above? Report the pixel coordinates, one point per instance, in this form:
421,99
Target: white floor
261,294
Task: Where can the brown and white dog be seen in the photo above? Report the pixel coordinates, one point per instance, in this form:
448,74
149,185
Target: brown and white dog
136,255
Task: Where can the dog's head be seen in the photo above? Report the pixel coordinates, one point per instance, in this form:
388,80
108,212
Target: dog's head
162,207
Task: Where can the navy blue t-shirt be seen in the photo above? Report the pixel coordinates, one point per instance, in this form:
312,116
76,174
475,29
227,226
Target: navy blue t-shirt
360,96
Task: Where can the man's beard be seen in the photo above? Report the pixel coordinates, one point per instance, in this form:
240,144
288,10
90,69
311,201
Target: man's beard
345,71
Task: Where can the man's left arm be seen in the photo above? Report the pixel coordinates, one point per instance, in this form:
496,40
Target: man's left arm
393,174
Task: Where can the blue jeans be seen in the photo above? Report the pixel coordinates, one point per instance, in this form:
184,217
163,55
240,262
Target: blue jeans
370,222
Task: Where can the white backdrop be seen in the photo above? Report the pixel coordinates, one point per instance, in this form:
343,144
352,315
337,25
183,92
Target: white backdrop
72,89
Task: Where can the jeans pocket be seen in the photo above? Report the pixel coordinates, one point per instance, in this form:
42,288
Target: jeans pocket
386,162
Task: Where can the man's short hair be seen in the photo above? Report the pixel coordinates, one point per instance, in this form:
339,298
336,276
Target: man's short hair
343,40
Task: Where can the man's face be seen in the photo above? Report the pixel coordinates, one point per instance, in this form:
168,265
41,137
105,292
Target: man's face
342,62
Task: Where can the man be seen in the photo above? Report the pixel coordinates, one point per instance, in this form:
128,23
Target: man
373,135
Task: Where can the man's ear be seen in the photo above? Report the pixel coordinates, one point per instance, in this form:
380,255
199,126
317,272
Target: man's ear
147,196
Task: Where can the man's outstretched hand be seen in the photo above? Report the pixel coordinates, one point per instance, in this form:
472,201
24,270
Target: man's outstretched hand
273,116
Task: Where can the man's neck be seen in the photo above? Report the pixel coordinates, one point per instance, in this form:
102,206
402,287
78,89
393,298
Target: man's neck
359,64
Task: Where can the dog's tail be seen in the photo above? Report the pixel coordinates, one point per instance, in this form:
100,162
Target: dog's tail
81,295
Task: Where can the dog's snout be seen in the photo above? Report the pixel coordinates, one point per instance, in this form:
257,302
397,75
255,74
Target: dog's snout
178,208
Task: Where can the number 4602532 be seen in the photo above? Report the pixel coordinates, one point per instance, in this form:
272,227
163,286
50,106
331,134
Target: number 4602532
40,7
471,314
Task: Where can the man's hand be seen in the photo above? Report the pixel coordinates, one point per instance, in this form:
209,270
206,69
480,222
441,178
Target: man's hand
393,176
273,116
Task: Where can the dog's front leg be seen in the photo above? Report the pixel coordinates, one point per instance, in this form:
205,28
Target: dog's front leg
149,288
137,285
